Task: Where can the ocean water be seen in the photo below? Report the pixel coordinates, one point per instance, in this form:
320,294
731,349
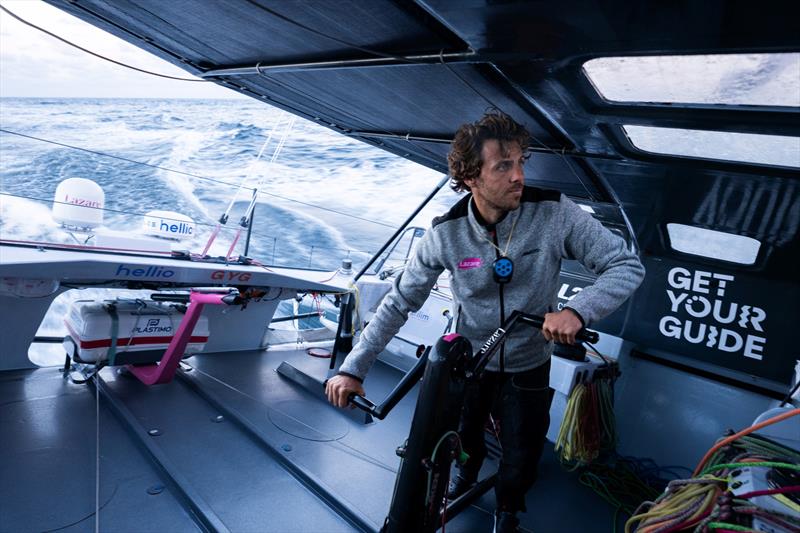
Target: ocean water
216,139
307,193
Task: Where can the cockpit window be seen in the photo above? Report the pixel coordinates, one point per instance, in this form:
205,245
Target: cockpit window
729,79
724,145
713,244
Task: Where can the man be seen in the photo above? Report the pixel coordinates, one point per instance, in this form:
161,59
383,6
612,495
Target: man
502,245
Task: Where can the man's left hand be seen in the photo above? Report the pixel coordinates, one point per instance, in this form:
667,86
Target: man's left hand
561,327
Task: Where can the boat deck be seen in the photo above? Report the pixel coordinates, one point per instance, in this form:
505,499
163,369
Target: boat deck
230,445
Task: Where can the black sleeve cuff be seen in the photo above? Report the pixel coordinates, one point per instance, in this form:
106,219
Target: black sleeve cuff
577,314
340,373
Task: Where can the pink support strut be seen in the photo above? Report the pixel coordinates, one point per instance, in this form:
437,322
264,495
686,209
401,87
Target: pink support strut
164,370
233,245
210,240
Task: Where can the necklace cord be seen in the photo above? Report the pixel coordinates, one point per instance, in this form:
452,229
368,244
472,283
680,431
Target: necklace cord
508,241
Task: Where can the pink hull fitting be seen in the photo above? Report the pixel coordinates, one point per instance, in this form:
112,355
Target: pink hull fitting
164,370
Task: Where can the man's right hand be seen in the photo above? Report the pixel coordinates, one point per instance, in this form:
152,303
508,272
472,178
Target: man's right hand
339,388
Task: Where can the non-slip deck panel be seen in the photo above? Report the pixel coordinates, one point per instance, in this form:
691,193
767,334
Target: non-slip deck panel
48,463
49,432
243,485
356,464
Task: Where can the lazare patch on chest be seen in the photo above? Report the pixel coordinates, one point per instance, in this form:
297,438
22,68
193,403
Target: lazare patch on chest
470,262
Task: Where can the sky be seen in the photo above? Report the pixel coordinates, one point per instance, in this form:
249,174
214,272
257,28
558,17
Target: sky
33,63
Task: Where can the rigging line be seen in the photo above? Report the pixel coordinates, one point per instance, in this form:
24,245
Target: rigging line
89,247
294,90
211,238
251,169
539,142
97,459
354,118
393,226
312,113
548,148
221,182
122,212
330,442
281,143
108,209
146,253
330,37
569,165
333,111
194,176
244,222
233,245
345,43
96,54
224,218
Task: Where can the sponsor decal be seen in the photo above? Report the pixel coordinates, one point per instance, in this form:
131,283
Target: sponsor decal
567,293
154,326
144,272
83,202
470,262
420,315
226,275
492,340
700,314
179,229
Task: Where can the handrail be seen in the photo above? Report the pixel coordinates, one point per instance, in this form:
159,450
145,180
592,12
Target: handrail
391,250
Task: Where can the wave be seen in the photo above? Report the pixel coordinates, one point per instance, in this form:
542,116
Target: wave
22,219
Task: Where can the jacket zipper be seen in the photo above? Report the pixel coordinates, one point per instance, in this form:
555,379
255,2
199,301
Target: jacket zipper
502,304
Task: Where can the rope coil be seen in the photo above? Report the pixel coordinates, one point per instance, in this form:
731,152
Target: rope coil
708,503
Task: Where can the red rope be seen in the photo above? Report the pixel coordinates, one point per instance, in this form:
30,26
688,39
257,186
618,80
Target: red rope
82,247
765,492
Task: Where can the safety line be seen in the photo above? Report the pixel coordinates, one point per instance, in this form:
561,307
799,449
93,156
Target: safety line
97,461
118,211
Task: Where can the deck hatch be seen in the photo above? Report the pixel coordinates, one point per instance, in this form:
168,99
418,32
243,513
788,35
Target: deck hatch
713,244
728,79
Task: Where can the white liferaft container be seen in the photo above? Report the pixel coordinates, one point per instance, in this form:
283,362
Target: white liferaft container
142,326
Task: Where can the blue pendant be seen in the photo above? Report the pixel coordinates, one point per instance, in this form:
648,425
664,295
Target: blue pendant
502,269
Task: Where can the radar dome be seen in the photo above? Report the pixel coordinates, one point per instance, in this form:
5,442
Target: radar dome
78,204
169,225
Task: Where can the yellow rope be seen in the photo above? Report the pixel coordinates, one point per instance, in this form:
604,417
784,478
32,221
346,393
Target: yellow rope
669,509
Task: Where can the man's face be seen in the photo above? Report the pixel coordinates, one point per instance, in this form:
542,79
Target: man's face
499,186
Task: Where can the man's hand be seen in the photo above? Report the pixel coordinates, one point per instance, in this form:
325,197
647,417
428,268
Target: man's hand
339,388
561,327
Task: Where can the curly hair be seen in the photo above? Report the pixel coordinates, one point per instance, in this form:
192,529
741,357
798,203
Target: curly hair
465,161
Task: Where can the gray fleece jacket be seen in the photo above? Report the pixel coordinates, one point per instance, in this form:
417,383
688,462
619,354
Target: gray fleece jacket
547,227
